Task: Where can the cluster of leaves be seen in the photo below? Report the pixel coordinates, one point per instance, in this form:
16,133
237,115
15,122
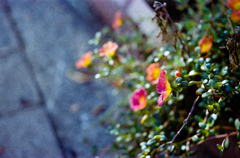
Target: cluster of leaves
204,101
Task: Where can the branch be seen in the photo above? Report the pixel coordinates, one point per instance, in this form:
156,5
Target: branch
215,137
163,15
185,122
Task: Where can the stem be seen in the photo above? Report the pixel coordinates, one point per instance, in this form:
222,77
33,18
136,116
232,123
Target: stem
216,137
229,21
185,122
176,32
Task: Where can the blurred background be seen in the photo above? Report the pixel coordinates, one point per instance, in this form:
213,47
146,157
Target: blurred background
43,113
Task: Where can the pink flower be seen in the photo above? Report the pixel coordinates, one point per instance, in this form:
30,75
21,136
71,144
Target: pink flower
153,72
84,61
138,100
205,44
163,87
117,22
108,49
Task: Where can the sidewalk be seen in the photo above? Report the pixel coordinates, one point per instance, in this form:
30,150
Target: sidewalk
42,112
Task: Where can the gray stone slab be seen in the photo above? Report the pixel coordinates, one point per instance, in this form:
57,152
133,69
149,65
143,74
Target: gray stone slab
8,42
17,90
28,135
81,130
55,36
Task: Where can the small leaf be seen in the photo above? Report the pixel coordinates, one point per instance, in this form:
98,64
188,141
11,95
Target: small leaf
192,73
179,79
151,142
184,83
199,91
202,125
208,65
237,123
221,152
211,83
195,138
219,147
226,143
206,94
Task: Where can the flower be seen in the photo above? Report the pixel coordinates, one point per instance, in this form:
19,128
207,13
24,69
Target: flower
235,16
235,6
138,100
118,21
84,61
205,44
178,73
163,87
108,49
153,72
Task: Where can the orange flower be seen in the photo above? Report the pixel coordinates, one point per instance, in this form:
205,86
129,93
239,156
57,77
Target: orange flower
153,72
205,44
108,49
84,61
235,16
234,4
117,22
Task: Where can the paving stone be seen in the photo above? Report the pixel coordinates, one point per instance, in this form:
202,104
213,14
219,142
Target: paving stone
82,130
17,90
28,134
55,36
8,42
53,39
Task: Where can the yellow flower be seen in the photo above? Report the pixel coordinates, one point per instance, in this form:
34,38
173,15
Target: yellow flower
108,49
84,61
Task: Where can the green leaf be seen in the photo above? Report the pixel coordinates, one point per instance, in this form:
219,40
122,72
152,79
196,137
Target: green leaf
195,138
184,83
199,91
192,73
211,83
237,123
202,125
206,94
221,152
226,143
151,142
219,147
179,79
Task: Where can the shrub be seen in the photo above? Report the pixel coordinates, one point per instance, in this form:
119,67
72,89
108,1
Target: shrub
178,96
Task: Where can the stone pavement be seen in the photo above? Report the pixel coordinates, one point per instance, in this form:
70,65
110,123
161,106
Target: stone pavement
43,113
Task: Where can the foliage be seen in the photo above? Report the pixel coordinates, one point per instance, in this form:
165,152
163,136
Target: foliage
199,67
